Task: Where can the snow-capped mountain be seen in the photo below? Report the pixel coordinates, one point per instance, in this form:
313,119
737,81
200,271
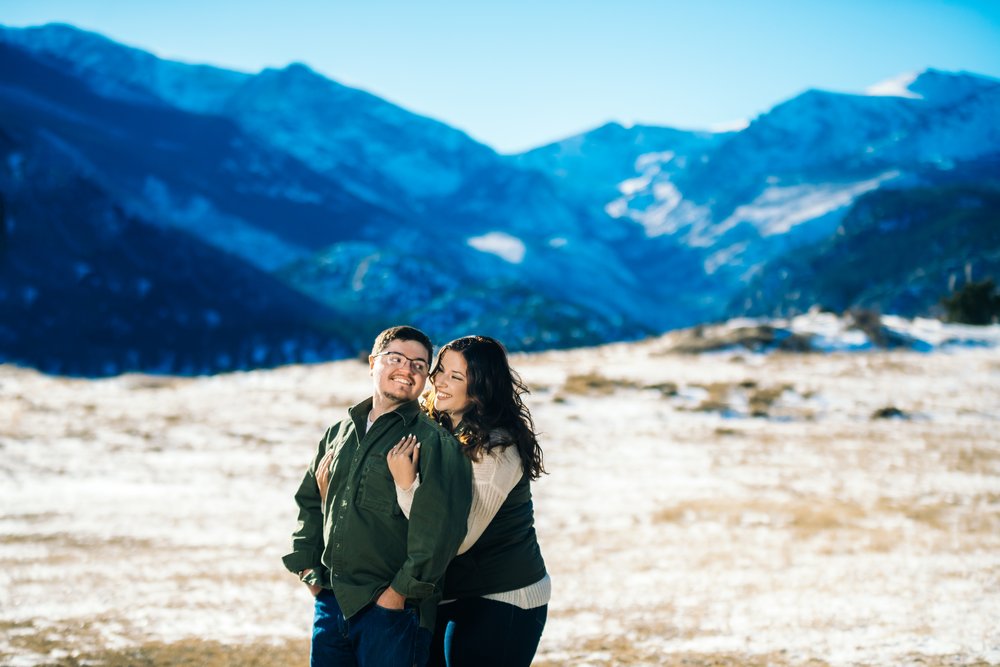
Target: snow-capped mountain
897,250
744,199
373,215
242,176
590,166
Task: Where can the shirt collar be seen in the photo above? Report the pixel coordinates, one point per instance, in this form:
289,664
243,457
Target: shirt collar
408,411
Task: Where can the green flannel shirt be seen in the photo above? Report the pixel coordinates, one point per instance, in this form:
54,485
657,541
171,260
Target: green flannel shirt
360,542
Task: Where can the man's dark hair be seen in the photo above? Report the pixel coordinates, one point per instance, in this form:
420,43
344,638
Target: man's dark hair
403,333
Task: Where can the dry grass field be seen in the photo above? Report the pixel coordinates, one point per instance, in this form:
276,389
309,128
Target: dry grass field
713,509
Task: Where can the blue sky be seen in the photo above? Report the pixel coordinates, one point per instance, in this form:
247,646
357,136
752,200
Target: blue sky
518,73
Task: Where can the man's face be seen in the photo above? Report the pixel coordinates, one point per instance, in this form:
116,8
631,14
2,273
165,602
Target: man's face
399,383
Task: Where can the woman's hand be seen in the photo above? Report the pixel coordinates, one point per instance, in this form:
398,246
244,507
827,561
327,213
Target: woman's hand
323,476
402,460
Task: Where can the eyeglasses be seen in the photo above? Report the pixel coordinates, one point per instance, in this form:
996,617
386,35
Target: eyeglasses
397,359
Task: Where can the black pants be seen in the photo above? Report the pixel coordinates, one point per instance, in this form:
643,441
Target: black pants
477,632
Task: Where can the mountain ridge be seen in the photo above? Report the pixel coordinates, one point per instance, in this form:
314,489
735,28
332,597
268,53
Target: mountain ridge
382,215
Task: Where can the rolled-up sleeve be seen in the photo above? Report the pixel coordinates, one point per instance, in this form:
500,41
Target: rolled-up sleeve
307,540
438,517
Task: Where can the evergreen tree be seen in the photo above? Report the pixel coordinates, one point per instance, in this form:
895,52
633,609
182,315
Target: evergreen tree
975,303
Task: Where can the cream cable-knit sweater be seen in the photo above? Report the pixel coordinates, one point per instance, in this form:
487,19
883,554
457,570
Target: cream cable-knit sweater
493,477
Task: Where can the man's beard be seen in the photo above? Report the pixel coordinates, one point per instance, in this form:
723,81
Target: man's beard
388,395
393,399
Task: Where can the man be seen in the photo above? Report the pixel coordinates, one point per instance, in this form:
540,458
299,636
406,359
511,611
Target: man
375,576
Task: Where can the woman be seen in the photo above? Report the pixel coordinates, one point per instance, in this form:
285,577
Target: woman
497,589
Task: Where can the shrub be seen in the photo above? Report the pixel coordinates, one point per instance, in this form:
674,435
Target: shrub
975,303
665,388
889,412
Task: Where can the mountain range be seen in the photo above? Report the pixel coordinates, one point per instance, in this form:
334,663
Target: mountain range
168,217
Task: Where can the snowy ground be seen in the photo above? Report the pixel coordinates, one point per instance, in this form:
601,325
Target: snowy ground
143,516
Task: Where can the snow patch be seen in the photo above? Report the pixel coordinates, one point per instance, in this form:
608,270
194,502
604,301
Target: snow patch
865,541
358,279
898,86
633,185
672,213
647,160
730,126
828,332
723,257
778,209
506,247
617,208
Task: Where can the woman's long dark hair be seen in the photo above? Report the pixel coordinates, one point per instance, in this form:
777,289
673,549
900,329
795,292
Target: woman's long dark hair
495,391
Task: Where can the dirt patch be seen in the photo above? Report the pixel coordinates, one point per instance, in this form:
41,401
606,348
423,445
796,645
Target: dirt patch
80,542
596,384
719,397
974,459
977,518
698,340
50,648
761,399
805,517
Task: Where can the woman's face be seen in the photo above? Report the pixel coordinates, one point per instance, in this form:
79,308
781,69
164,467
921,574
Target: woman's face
451,386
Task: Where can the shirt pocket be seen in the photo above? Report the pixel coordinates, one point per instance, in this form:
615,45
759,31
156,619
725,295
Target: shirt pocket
378,492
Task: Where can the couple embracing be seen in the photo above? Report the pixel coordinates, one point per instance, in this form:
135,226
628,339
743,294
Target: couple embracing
398,488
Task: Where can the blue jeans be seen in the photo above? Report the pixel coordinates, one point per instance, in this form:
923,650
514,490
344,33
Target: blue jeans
477,632
374,637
